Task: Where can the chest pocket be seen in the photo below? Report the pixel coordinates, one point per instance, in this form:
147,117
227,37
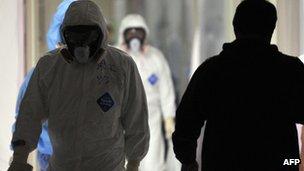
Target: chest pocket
102,120
104,107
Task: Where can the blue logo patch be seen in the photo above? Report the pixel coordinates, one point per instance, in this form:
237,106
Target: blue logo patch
105,102
153,79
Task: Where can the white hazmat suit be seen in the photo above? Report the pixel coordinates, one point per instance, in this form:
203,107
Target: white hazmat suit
158,84
97,112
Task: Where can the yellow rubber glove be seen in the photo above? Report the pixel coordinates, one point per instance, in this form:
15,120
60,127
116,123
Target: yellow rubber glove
169,127
132,165
10,160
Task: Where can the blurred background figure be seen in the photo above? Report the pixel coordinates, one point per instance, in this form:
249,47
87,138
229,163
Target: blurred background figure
54,37
156,76
44,148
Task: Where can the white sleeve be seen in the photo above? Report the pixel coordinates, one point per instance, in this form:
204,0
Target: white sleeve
302,58
32,113
135,116
167,93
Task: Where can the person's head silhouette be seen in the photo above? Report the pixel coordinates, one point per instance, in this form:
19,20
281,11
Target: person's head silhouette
255,18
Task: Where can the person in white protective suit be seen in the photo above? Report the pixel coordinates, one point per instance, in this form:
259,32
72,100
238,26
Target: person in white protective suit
93,97
156,76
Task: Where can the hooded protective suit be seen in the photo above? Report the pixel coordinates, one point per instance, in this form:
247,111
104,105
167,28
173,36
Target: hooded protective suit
97,112
156,76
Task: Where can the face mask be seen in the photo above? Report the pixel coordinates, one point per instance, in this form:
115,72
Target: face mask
83,42
82,54
135,45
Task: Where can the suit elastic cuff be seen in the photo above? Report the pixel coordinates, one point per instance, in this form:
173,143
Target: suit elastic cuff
21,154
20,166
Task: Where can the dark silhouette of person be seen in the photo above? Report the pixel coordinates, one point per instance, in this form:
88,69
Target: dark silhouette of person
250,96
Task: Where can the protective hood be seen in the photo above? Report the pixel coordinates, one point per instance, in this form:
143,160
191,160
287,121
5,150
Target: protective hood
131,21
85,13
53,36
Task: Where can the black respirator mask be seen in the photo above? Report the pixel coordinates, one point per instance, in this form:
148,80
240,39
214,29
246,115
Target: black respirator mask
83,42
134,39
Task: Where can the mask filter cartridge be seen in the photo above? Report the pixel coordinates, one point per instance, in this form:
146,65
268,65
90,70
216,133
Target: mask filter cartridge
135,45
82,54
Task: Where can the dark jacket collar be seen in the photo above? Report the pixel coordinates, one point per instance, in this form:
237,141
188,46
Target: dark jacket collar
248,45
